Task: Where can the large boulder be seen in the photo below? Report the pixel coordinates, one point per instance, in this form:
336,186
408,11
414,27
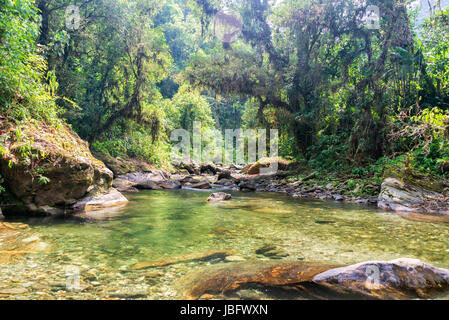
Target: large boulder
293,279
397,279
202,185
94,203
406,191
47,169
254,168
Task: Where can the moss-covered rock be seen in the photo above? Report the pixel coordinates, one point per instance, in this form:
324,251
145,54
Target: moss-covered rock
120,166
47,168
254,168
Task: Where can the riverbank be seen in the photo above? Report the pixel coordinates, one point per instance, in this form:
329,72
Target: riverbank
401,189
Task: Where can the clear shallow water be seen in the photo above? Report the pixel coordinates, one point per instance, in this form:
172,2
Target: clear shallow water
162,224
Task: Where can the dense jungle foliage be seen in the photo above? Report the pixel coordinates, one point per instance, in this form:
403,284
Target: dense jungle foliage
125,73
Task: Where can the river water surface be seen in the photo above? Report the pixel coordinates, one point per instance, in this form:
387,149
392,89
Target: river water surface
157,225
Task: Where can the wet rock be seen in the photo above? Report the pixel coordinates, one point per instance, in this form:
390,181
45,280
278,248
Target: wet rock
16,240
219,196
225,174
153,180
112,198
170,184
201,185
229,278
396,279
123,183
247,186
189,180
265,163
195,256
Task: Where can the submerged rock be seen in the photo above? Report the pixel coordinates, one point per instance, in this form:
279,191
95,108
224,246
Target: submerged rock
128,190
272,251
219,196
228,279
403,191
202,185
195,256
397,279
16,239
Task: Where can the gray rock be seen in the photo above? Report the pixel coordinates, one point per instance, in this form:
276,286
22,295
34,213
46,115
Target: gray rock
219,196
170,184
397,279
401,196
111,198
337,197
202,185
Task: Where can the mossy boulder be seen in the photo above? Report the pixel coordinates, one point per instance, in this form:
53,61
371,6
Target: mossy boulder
265,163
120,166
47,168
